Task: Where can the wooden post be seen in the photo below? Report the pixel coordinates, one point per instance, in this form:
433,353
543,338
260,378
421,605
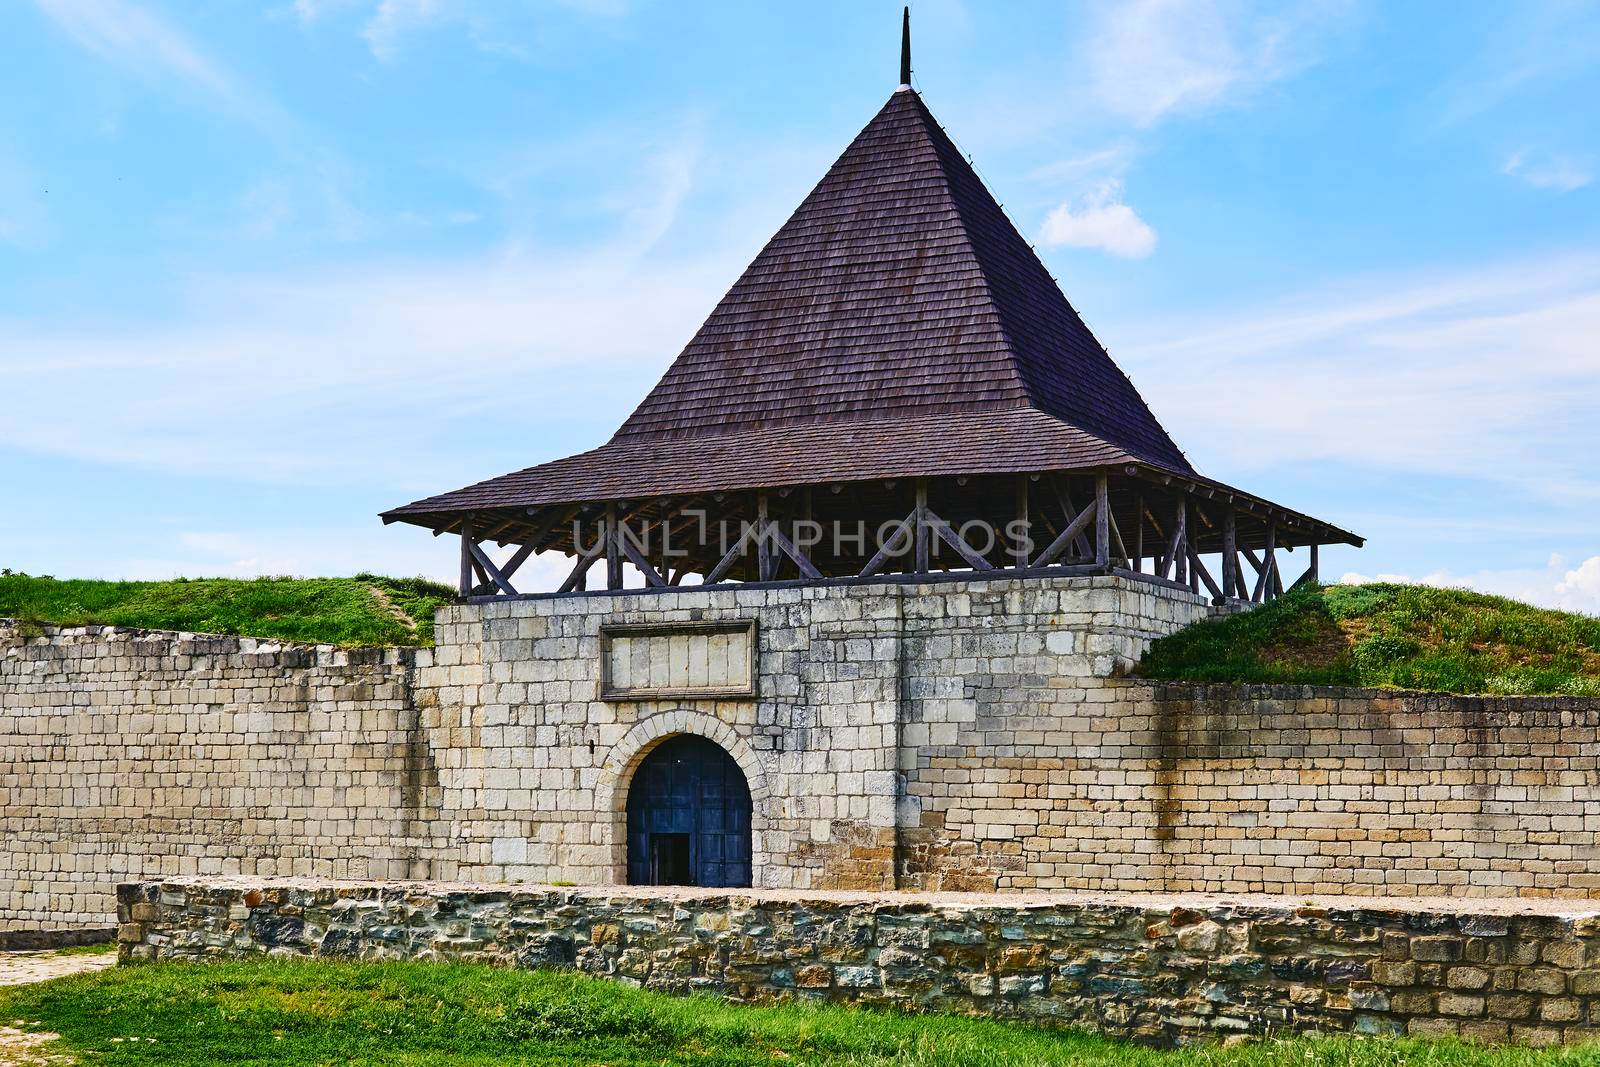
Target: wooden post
1269,563
1274,586
1180,558
1102,522
1019,549
1138,533
922,525
807,515
466,556
1230,554
766,564
613,556
1311,572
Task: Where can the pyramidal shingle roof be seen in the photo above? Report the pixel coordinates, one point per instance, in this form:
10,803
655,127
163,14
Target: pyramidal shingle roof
897,325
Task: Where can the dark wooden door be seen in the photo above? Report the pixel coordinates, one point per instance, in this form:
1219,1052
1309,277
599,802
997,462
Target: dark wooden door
689,793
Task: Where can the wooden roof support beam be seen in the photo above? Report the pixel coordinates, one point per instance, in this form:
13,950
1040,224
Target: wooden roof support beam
892,547
1074,529
766,559
518,558
1199,569
545,526
1064,499
652,577
493,533
1230,554
1180,537
922,530
1024,529
1268,513
580,568
973,557
1269,566
488,569
1138,533
1310,577
1117,541
728,559
613,555
1102,522
801,560
464,585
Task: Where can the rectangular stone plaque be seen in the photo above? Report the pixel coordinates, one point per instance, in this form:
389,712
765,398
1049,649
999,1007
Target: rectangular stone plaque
713,660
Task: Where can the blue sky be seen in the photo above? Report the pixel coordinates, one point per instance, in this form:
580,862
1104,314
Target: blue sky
269,268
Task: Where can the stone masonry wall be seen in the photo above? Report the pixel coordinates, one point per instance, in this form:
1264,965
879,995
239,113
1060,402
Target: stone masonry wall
1265,789
1159,969
855,683
962,735
130,753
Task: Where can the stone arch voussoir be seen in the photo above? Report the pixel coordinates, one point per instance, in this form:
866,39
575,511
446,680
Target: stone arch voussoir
624,757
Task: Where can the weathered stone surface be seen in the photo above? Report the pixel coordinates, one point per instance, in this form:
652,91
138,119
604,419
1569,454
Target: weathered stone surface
1115,964
953,736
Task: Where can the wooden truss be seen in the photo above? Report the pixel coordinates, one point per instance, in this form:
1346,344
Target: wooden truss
1159,527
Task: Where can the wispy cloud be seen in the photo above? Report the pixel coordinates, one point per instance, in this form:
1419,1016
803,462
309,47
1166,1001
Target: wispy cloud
1489,374
313,181
138,40
505,27
1534,47
1151,58
136,37
306,377
1102,221
1111,161
1547,172
23,218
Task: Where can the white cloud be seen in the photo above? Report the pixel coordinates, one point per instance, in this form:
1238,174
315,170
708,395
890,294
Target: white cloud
126,33
1151,58
1551,172
23,219
1100,220
1533,48
1102,163
138,40
1490,374
1580,587
497,27
309,11
1557,586
306,377
394,19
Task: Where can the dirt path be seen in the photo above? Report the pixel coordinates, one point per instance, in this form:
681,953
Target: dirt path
20,1048
382,597
20,968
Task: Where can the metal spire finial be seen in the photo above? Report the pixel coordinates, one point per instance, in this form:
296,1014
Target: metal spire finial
905,49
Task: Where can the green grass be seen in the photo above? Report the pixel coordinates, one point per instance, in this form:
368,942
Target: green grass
1407,636
364,610
87,950
289,1013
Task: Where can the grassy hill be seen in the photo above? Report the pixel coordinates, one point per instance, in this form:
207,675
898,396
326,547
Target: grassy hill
1409,636
364,610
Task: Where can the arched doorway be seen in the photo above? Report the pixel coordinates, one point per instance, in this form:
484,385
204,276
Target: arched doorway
688,817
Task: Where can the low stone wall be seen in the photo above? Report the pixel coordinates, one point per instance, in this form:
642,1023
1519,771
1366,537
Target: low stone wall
37,940
1162,969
